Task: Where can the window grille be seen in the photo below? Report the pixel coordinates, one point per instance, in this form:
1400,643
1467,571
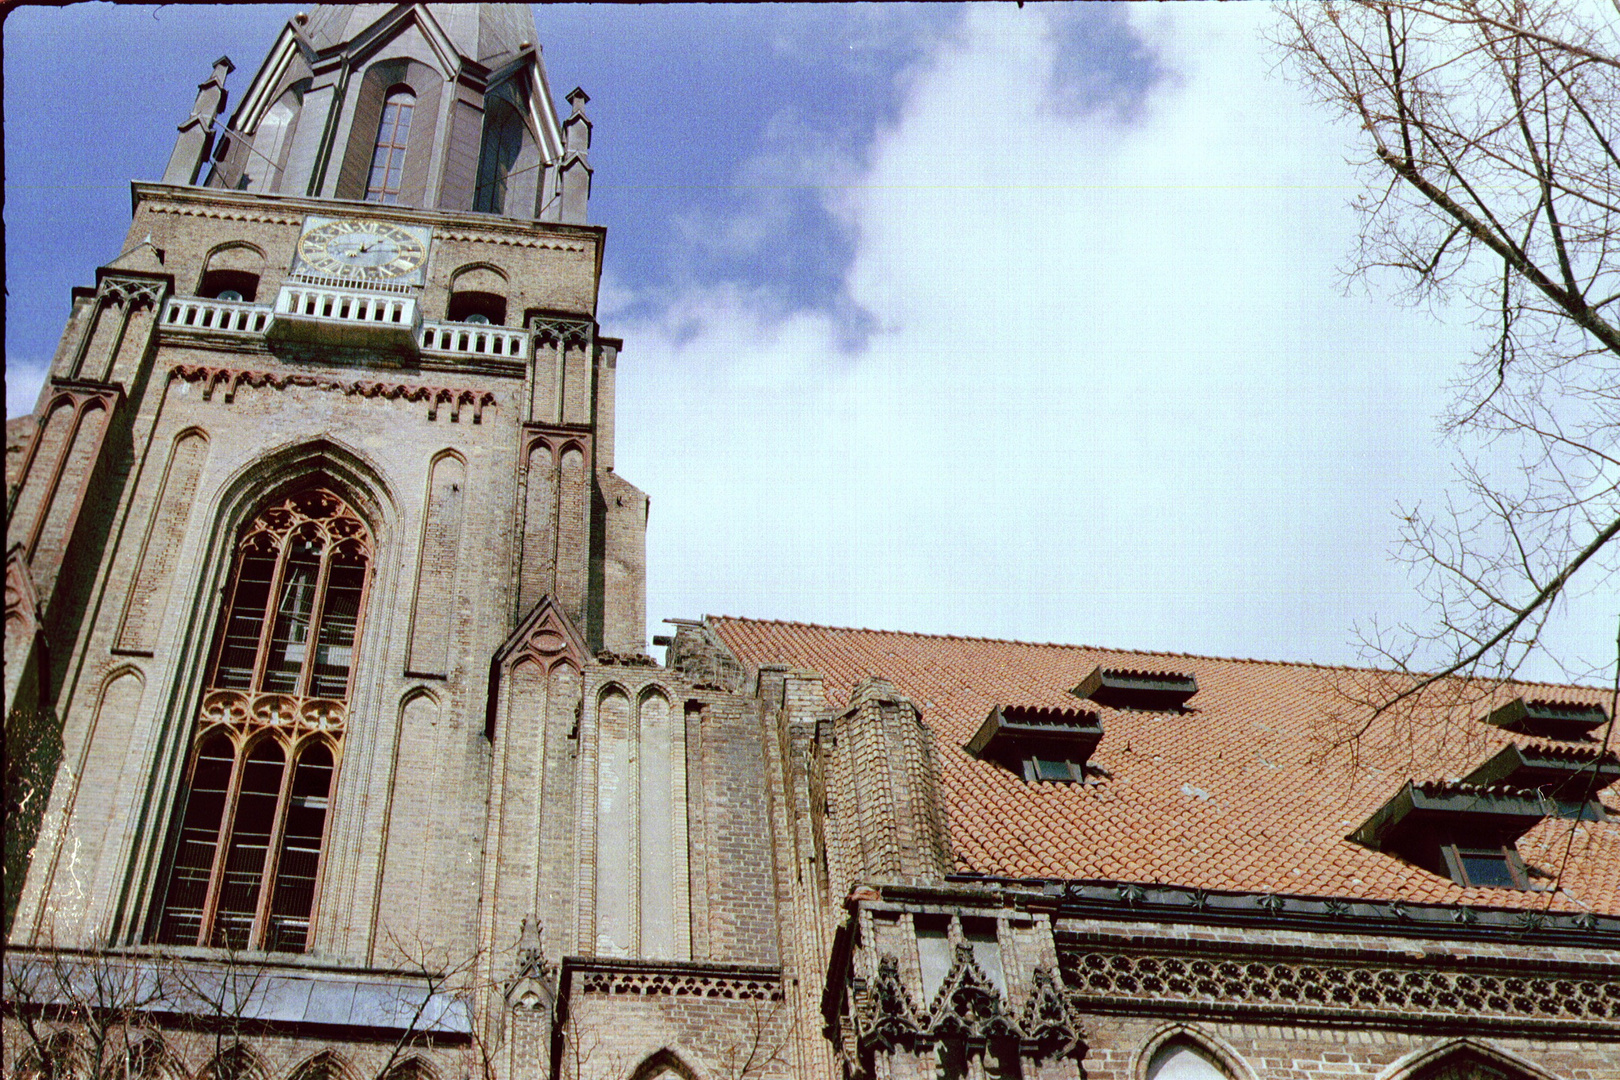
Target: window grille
244,869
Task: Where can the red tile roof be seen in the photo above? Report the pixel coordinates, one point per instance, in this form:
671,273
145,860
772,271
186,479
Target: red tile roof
1240,792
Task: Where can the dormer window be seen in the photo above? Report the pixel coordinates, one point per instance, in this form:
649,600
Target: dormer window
1492,867
1040,744
1567,720
1567,777
1146,691
1057,770
1462,831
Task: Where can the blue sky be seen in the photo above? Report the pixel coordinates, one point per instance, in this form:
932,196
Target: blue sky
1014,322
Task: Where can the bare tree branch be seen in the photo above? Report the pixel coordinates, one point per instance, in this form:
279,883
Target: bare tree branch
1487,136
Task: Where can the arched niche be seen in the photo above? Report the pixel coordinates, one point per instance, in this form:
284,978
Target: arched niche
235,1062
665,1064
1465,1059
232,272
478,293
412,1068
1186,1052
323,1065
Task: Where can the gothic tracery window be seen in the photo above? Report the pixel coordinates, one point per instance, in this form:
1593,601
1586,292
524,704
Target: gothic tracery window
388,154
246,860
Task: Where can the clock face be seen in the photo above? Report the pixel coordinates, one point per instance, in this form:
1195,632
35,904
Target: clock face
363,250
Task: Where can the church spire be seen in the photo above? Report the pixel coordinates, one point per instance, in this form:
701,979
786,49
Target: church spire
430,105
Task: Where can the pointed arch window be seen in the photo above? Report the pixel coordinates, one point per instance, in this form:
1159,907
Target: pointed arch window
244,868
388,154
1181,1059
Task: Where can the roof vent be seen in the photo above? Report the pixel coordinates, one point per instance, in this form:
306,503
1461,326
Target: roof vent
1550,719
1148,691
1566,774
1040,743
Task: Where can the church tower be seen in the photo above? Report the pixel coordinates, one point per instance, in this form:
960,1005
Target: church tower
325,606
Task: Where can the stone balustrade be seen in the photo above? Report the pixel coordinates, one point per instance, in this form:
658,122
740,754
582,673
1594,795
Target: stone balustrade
307,304
225,316
474,339
300,301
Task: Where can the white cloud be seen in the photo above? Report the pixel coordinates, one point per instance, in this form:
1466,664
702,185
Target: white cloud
1116,396
23,380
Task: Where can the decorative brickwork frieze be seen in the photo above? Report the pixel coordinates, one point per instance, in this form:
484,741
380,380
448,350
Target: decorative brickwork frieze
678,984
221,213
1300,987
438,398
511,239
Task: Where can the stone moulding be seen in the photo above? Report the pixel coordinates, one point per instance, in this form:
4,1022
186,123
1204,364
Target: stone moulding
1103,979
214,380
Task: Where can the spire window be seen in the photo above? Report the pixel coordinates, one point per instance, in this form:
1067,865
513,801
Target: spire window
503,142
388,155
244,871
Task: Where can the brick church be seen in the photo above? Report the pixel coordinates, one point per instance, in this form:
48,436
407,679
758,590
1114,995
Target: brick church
335,750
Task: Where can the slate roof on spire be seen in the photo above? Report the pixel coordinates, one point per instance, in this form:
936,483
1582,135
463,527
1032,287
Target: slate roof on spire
479,31
1227,795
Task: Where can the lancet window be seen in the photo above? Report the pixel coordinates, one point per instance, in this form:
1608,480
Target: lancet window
245,866
388,156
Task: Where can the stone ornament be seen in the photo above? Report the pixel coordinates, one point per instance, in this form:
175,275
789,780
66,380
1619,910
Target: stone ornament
969,1009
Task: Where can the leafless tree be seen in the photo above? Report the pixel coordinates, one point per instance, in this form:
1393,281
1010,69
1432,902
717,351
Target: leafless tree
82,1015
96,1013
761,1047
1489,145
